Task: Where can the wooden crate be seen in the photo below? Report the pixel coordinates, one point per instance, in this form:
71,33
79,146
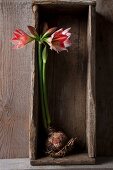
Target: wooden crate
71,80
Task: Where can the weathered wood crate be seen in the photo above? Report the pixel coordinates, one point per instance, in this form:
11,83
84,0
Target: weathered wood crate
71,80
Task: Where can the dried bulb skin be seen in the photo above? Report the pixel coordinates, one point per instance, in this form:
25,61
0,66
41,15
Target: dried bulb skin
65,150
56,140
58,144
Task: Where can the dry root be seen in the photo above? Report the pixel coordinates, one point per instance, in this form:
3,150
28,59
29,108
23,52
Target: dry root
58,145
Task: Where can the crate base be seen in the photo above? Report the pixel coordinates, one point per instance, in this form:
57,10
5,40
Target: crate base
78,159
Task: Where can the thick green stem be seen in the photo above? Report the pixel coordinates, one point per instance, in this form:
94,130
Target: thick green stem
41,84
45,94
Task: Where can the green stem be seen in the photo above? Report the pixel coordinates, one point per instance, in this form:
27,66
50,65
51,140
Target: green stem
41,84
45,95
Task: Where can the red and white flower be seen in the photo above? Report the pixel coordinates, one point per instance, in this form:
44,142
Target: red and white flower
59,40
20,38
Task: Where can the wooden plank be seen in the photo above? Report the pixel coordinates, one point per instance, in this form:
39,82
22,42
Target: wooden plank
78,159
78,2
104,77
91,103
34,114
64,6
15,78
103,163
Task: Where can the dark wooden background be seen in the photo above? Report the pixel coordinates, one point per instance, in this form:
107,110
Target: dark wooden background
15,79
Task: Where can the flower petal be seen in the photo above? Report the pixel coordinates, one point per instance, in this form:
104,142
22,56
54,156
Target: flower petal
67,43
50,31
57,33
32,30
57,47
66,31
21,32
20,38
59,40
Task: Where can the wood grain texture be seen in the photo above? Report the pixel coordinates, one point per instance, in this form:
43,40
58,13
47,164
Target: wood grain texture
79,159
103,163
104,78
64,5
66,81
67,99
17,14
34,116
91,100
15,81
67,78
78,2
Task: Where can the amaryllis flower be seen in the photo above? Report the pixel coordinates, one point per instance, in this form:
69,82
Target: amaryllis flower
20,38
59,40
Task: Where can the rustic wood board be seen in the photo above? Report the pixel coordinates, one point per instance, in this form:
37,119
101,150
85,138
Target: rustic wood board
15,81
78,2
79,159
90,94
64,5
104,78
103,163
